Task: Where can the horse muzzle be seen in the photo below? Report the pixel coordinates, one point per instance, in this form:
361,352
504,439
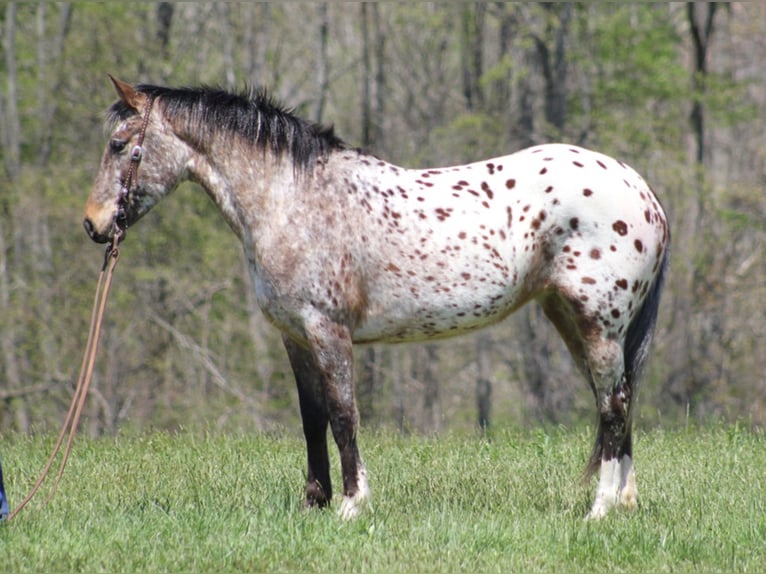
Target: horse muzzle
95,235
99,220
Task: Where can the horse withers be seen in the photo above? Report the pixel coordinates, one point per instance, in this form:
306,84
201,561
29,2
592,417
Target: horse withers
345,248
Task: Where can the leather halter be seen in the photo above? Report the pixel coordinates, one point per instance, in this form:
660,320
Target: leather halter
136,154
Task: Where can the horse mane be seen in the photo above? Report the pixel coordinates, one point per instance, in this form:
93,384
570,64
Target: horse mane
252,116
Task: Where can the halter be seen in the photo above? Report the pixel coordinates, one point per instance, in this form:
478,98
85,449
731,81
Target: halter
136,154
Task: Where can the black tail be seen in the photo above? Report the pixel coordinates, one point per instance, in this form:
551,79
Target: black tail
641,328
635,352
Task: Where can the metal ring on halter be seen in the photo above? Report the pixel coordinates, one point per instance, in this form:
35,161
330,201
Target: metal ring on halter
136,153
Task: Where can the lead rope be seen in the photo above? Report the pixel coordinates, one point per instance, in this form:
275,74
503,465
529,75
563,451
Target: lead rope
72,420
69,429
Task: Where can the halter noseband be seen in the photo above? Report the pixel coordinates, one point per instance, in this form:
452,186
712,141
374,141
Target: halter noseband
136,154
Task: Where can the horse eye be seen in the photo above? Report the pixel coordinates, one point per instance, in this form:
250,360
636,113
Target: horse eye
117,145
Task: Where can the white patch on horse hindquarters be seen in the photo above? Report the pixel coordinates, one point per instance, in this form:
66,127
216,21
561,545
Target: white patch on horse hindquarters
616,486
353,505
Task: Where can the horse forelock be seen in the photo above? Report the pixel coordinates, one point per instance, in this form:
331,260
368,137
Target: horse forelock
251,116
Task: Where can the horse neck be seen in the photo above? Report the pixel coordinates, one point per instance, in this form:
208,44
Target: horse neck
240,181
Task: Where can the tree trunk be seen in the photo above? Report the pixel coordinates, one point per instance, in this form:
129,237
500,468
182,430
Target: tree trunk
367,127
49,77
256,23
701,33
472,55
11,123
379,110
431,403
368,384
323,63
8,326
164,22
554,65
228,45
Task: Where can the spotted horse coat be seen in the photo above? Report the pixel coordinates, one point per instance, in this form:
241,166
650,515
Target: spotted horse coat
345,248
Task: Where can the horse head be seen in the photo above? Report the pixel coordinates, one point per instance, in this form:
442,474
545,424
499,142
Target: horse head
143,161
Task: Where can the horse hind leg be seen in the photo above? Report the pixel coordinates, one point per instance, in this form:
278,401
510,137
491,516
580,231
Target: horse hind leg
613,449
615,372
600,359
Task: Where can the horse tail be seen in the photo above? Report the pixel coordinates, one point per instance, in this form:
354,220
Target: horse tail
641,328
635,352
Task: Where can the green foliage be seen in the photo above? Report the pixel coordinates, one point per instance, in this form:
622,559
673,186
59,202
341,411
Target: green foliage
198,503
636,64
180,300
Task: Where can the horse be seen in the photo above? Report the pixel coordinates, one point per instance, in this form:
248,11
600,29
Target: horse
344,248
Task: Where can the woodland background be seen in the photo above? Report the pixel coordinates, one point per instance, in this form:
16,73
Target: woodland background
676,90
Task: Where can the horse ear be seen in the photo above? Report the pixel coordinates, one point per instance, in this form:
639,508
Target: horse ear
129,95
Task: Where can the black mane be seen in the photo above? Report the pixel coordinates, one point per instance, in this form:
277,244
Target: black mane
255,117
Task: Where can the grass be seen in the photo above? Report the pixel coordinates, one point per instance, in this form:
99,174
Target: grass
212,503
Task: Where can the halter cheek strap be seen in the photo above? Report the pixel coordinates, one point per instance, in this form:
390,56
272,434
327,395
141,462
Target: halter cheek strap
136,154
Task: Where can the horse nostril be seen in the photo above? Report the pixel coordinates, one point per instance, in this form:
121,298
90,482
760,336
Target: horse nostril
88,227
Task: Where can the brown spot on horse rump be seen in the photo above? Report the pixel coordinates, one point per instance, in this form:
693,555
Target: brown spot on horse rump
595,253
574,223
638,245
620,227
442,214
510,183
392,267
587,192
486,189
588,280
622,284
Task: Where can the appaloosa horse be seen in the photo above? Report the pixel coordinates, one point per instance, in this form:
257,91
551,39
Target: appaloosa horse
346,248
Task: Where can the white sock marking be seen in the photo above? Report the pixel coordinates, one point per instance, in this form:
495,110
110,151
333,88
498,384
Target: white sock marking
616,486
352,505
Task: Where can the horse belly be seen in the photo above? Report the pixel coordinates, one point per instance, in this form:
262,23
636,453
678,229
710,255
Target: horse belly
445,306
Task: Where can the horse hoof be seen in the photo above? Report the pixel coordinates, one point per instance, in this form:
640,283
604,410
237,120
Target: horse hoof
352,506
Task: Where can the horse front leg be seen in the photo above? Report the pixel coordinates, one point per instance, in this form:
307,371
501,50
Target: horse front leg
315,419
330,344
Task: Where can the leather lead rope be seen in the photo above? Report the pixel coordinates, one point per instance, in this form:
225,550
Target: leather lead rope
72,420
69,429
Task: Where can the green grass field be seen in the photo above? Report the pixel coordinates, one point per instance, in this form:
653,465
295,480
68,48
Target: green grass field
515,503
